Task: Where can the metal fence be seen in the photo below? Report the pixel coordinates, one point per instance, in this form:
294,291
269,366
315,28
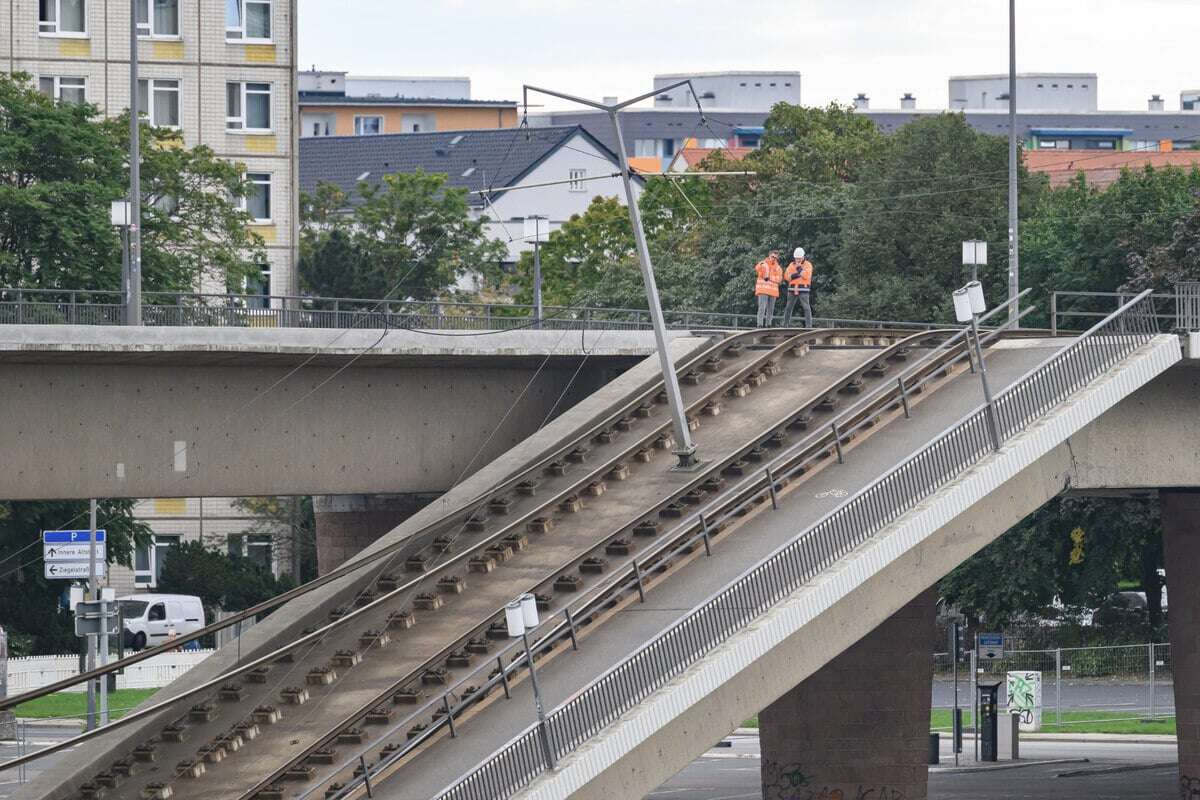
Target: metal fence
1175,311
1080,685
660,660
80,307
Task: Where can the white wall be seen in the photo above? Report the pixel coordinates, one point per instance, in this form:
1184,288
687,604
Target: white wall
1047,92
741,90
34,672
443,88
557,203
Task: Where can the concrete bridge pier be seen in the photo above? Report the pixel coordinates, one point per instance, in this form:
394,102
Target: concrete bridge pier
1181,554
347,523
859,727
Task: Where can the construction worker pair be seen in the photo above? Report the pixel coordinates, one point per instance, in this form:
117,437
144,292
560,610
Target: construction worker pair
798,277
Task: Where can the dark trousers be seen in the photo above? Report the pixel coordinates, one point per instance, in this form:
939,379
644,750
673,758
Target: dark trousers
805,304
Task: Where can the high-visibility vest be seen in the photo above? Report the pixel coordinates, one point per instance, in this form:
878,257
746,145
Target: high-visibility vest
769,275
799,276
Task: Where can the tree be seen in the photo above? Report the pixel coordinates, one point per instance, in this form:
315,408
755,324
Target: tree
823,145
410,233
292,517
61,166
222,582
32,607
1167,264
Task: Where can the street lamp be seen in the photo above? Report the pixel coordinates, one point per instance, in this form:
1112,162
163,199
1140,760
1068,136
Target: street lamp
121,215
520,615
974,256
969,303
534,231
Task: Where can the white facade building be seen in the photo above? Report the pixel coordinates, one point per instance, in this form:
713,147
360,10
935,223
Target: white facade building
745,90
1036,91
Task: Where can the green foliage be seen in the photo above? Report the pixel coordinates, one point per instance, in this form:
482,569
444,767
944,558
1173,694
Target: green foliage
293,515
1074,549
1167,264
818,144
30,604
409,234
61,166
220,581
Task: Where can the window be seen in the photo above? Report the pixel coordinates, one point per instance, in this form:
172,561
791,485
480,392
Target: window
248,106
645,147
158,18
158,101
62,17
254,547
248,20
577,176
258,202
368,126
68,90
148,560
668,148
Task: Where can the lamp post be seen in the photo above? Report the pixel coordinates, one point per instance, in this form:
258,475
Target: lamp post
120,215
969,303
133,289
685,451
520,615
534,231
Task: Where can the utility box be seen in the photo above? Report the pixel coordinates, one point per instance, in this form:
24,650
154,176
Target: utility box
989,701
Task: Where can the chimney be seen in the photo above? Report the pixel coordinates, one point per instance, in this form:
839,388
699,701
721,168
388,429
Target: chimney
610,100
1156,103
862,102
908,102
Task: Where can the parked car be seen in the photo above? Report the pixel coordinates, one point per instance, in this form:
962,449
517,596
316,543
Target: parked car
151,619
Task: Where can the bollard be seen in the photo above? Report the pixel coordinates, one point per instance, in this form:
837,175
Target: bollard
935,748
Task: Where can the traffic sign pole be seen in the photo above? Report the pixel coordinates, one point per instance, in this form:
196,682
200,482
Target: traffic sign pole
94,591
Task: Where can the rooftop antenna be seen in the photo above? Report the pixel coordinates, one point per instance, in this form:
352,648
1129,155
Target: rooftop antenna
685,451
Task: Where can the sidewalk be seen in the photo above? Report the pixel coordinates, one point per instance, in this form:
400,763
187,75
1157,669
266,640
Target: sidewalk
1115,738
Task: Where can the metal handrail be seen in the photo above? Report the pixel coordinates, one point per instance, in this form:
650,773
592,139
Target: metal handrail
883,501
169,309
1169,320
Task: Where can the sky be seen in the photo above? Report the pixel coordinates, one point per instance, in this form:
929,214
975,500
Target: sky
884,48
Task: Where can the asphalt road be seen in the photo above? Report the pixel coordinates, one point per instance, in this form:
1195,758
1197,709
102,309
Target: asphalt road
1147,772
37,736
1077,695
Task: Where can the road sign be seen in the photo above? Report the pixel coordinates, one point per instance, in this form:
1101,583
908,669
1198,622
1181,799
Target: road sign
88,621
72,537
72,570
991,646
72,552
66,554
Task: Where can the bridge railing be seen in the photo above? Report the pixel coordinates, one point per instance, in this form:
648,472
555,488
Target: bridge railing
861,517
170,309
1174,311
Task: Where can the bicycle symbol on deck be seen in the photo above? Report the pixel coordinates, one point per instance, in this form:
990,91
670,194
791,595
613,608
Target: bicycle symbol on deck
831,493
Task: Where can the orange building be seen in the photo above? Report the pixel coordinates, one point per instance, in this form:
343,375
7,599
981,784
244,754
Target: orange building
337,104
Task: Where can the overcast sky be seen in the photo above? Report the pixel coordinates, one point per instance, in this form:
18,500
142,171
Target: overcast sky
841,47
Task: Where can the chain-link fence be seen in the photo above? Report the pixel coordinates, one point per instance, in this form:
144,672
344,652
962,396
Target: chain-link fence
1080,685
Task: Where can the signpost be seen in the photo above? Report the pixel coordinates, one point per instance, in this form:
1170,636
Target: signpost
991,646
66,554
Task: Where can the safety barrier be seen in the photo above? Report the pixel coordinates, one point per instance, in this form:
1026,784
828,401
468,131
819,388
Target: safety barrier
33,672
163,309
861,517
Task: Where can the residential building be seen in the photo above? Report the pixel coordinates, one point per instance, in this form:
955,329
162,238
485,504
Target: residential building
219,71
219,522
1189,100
691,156
751,91
1036,91
550,173
338,104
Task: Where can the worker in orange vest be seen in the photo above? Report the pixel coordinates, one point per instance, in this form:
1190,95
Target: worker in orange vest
766,287
799,282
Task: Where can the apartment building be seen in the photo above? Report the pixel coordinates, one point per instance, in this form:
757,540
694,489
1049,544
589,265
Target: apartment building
334,103
222,72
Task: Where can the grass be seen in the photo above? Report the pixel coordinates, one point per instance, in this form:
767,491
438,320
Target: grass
1072,722
74,704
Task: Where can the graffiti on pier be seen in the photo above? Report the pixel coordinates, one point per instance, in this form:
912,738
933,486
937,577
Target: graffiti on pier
781,782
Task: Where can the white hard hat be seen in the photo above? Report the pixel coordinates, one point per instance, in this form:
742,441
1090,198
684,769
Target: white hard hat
798,252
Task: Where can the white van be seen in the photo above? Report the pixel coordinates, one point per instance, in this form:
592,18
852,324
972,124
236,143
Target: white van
150,618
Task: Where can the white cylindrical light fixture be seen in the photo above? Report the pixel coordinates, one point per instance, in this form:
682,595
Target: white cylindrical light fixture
529,610
514,619
120,213
962,306
975,293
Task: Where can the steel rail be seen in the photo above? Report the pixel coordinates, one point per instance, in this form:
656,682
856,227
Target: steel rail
842,529
817,397
432,529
